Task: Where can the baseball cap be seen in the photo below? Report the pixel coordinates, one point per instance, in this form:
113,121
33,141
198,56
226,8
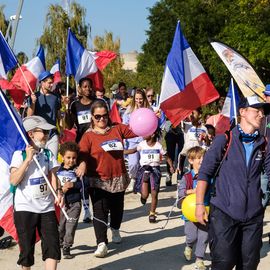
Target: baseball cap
254,102
34,121
44,75
267,90
114,88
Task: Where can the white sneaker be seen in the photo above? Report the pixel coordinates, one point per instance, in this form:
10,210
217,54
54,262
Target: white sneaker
101,251
116,237
131,185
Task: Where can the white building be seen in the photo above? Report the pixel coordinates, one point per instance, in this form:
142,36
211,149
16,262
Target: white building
130,60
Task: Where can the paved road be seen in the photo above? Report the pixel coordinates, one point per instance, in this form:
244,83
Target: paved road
147,246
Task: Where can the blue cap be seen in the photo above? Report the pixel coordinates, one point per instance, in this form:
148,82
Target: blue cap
254,102
267,90
44,75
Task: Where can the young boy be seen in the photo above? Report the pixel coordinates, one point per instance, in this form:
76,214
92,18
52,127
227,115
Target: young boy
195,234
71,186
33,200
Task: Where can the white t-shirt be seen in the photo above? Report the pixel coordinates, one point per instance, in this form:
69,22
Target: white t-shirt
32,193
192,138
150,155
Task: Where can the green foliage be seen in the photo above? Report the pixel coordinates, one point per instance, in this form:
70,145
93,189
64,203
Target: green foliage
55,32
3,20
242,24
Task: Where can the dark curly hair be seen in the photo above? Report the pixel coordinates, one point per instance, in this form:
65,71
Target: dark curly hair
69,146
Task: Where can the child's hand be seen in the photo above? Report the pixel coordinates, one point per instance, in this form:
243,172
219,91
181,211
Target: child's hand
172,170
67,186
60,201
30,152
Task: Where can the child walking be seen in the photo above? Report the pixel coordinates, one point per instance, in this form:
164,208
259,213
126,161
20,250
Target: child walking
195,233
33,201
71,186
149,175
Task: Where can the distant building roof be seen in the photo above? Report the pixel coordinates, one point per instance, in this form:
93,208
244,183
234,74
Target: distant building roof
130,60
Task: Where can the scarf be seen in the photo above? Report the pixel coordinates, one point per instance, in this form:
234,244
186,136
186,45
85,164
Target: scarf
247,137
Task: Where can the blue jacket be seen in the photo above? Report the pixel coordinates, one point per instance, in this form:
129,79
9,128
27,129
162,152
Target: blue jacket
238,189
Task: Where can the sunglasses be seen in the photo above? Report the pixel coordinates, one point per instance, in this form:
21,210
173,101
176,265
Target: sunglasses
99,116
150,95
42,130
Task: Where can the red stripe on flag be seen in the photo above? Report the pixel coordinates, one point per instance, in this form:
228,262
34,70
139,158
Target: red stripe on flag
7,223
200,91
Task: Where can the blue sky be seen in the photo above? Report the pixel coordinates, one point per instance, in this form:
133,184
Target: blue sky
127,19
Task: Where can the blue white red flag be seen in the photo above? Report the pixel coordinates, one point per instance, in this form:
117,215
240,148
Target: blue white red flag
230,107
7,58
185,84
29,72
10,141
81,63
55,70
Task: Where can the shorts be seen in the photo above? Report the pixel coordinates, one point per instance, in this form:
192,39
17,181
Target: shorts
30,224
152,173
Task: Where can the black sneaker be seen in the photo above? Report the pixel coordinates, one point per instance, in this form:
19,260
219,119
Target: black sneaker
143,201
87,220
168,180
66,253
152,218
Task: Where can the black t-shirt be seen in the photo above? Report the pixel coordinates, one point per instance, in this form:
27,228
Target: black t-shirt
82,117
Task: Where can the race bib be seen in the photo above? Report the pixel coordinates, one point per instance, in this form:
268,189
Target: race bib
66,176
150,155
39,187
113,145
84,117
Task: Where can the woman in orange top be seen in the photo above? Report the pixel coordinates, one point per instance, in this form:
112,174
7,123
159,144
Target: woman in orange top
102,161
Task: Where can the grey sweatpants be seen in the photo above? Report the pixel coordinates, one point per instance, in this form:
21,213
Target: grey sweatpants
198,236
67,228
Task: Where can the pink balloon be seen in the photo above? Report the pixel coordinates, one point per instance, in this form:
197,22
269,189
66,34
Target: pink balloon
143,122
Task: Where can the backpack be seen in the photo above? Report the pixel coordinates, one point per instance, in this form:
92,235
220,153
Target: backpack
13,188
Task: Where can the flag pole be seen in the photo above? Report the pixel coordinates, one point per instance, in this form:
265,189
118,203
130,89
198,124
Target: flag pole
35,159
30,88
67,92
234,103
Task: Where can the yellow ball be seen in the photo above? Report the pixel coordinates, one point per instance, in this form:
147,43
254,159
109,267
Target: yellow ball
189,207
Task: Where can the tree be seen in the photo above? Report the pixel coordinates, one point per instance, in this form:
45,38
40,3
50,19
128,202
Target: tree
22,58
242,24
113,71
54,37
3,20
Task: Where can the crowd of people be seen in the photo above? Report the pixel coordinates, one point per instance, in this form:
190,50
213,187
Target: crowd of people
93,165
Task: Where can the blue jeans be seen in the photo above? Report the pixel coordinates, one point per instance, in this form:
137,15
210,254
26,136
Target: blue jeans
265,189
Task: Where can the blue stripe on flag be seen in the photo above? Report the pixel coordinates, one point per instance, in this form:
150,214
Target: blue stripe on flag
74,54
41,56
8,58
10,138
175,60
237,100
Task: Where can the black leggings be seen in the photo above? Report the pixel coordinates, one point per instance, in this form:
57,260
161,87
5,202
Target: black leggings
104,203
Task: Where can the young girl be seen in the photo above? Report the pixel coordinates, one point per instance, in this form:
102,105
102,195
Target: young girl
149,175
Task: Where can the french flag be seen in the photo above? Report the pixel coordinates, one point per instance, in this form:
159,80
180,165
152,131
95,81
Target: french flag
81,63
27,74
185,84
7,58
103,58
55,70
11,140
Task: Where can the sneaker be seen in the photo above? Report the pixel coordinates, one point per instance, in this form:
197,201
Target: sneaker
66,253
168,180
116,237
152,217
188,253
199,265
131,185
143,201
101,251
87,220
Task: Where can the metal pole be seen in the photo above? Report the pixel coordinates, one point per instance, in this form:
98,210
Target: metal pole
234,102
19,10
